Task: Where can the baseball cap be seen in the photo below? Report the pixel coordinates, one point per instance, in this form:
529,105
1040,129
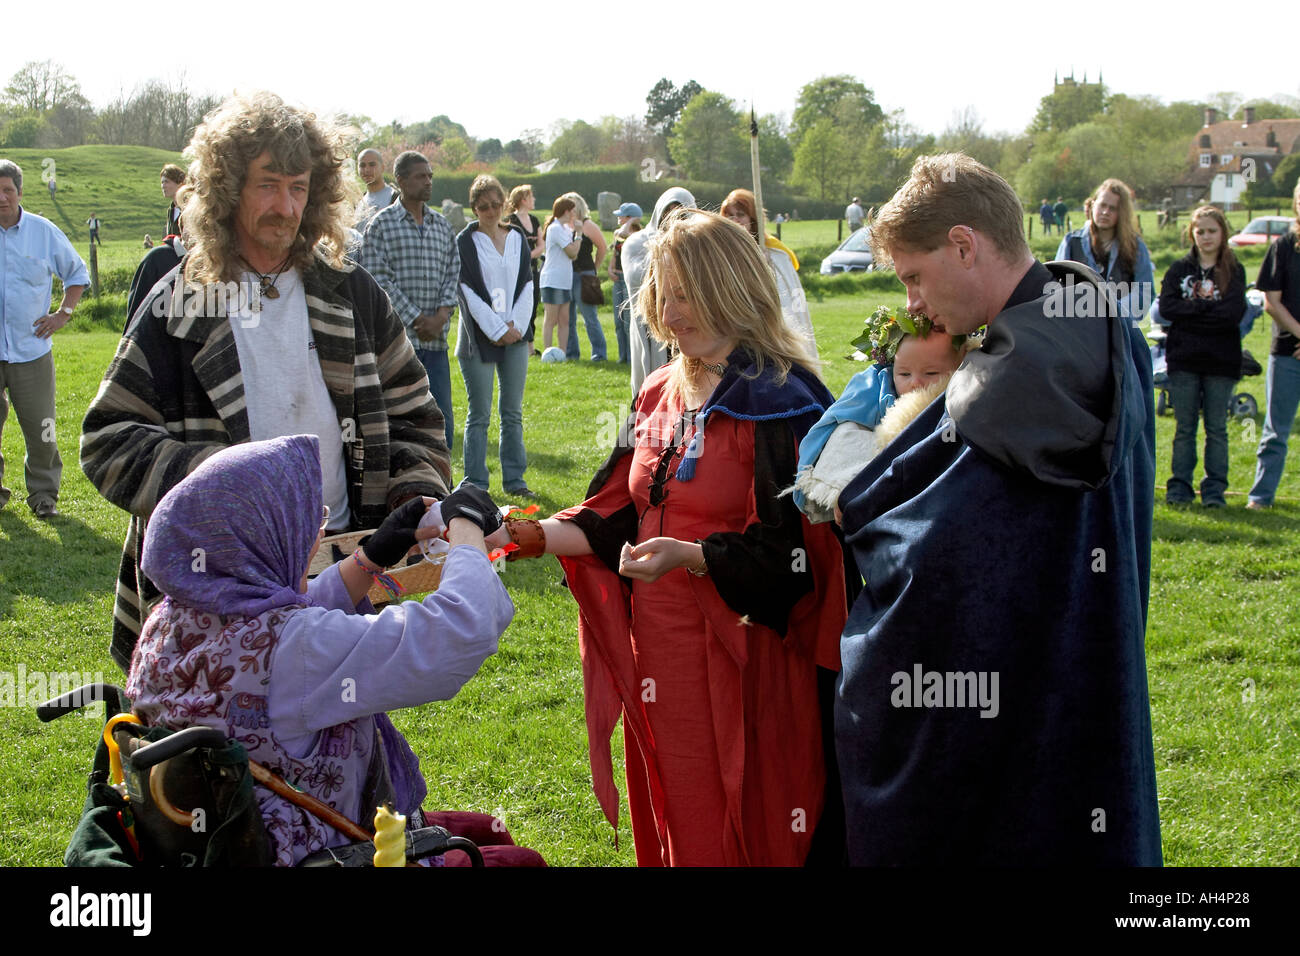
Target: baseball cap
629,209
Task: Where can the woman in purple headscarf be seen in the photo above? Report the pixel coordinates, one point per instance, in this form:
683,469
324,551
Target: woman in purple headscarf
299,673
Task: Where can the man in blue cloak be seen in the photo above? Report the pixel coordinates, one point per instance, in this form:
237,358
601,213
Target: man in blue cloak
993,704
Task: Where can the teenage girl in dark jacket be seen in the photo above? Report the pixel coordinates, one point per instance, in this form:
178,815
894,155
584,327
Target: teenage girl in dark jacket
1203,297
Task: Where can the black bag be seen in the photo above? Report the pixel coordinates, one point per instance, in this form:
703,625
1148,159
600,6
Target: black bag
591,291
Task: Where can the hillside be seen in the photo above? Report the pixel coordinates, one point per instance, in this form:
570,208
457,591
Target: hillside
119,183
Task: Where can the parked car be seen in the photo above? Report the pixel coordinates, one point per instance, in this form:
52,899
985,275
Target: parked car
852,255
1261,231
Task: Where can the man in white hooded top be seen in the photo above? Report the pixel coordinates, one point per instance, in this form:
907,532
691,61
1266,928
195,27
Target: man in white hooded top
646,354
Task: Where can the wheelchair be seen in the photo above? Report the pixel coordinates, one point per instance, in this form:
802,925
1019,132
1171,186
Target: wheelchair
143,777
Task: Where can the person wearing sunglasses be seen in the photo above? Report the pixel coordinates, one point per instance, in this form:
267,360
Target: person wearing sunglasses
496,298
710,608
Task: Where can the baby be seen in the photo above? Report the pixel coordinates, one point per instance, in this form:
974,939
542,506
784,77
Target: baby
912,368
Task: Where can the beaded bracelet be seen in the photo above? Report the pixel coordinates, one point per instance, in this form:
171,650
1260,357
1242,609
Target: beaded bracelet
387,582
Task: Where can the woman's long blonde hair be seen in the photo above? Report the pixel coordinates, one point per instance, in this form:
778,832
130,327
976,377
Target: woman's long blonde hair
730,290
1126,225
516,197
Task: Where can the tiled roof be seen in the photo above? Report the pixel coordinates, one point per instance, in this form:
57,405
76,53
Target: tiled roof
1225,134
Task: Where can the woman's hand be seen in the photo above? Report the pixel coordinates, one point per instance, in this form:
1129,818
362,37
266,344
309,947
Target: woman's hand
650,560
501,536
512,336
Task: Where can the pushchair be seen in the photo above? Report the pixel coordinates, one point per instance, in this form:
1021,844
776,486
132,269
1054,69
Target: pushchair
1241,404
142,778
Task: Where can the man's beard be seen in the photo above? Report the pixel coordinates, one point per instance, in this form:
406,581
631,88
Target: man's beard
275,242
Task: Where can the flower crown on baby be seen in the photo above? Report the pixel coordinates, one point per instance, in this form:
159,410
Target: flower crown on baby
885,329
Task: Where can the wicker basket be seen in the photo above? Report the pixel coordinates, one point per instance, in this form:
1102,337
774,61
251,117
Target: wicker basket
419,577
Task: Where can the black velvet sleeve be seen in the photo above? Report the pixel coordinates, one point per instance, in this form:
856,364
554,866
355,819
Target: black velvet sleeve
608,535
765,570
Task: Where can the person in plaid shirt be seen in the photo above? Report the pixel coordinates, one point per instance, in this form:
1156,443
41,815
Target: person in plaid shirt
411,251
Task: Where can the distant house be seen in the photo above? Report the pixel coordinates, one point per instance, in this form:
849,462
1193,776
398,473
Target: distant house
1226,156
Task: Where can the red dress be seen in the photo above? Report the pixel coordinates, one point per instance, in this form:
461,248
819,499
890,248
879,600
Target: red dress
721,725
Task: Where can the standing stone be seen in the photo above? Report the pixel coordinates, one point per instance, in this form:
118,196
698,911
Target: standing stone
607,204
455,215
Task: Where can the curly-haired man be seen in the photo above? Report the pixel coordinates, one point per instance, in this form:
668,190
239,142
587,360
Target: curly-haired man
263,330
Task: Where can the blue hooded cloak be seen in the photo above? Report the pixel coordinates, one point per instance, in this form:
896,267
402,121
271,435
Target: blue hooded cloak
992,707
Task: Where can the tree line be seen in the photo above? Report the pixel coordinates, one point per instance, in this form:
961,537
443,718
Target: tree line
839,142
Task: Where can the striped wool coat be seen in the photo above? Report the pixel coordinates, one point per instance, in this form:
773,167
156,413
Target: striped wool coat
174,394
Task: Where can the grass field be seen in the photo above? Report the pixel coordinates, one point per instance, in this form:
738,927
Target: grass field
1223,647
1223,653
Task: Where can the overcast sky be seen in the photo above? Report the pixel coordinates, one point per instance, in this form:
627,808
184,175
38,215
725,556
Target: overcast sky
413,61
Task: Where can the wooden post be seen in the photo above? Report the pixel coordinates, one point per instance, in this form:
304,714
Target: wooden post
94,270
778,230
1031,227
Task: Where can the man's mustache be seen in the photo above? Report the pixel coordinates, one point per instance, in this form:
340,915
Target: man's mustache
278,222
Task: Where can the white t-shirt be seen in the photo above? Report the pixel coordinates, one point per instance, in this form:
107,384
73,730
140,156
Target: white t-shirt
380,199
557,271
284,391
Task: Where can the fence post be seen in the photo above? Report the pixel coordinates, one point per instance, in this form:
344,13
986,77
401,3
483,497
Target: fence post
839,230
94,271
1030,222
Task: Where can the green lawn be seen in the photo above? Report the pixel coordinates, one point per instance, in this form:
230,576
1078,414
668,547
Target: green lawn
514,743
1223,651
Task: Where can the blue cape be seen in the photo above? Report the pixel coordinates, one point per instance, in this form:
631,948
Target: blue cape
993,708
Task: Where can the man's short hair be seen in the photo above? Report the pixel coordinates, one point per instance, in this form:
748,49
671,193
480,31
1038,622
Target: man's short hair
948,190
226,144
173,173
407,161
369,149
12,171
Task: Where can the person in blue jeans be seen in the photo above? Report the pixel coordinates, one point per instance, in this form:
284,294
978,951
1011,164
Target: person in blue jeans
496,296
584,264
411,251
1203,297
1279,280
629,221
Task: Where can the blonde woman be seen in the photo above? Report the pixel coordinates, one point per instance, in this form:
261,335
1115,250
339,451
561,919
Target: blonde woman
709,604
519,212
1111,246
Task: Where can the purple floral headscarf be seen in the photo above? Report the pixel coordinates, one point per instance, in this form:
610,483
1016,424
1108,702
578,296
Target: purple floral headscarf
233,537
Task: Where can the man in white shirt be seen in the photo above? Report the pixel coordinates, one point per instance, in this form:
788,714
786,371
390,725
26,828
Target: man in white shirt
854,213
378,193
32,249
